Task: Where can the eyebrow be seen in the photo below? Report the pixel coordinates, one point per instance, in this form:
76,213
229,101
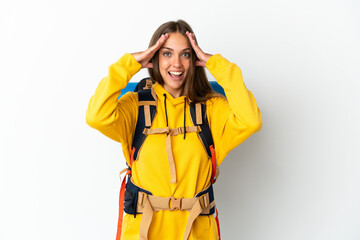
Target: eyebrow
170,49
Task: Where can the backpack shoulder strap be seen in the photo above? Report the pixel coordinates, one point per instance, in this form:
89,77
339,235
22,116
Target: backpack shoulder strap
147,109
198,117
145,83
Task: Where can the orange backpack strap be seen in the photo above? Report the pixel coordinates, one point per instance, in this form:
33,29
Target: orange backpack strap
121,206
122,195
217,222
215,168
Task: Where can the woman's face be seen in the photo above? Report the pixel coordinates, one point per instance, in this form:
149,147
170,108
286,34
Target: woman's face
174,63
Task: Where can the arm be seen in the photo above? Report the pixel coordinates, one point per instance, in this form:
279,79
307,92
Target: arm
116,118
234,120
112,116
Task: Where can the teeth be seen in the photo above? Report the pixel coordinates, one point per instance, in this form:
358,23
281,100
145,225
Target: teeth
176,73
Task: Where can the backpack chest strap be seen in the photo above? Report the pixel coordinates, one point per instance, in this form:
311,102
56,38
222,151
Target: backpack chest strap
171,132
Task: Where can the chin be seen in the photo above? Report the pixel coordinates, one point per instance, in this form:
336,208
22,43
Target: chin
172,85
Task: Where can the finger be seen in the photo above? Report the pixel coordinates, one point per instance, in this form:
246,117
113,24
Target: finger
193,43
159,42
150,52
191,40
199,53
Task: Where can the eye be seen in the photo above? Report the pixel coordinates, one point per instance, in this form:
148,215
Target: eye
167,54
186,54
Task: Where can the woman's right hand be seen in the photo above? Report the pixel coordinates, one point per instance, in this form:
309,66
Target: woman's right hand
145,57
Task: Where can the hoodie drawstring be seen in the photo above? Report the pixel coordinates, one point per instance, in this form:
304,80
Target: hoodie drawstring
167,121
184,117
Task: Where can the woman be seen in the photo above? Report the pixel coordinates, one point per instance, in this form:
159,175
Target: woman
170,166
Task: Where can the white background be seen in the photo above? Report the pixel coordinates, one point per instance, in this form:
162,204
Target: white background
297,179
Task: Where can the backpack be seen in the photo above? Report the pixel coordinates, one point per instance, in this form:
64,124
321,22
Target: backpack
146,114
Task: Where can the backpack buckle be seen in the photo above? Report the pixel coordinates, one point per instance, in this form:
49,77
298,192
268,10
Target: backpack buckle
204,200
141,198
174,203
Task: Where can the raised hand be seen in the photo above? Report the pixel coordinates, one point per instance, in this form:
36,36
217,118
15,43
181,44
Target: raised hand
144,57
203,57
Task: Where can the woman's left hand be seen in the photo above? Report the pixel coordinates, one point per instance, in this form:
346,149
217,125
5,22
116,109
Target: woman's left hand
203,57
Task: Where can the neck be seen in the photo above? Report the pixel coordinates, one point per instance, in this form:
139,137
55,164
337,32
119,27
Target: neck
174,92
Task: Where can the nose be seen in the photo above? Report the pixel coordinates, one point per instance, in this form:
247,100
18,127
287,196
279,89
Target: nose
176,61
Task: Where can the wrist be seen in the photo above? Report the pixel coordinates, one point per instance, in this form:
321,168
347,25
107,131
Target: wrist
207,57
136,56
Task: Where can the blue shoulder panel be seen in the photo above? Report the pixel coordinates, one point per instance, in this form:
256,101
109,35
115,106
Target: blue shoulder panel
130,87
217,88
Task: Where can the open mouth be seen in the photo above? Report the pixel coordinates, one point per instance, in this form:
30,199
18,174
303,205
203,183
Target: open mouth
176,75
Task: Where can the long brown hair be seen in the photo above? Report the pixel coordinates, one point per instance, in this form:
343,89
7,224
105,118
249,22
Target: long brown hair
196,85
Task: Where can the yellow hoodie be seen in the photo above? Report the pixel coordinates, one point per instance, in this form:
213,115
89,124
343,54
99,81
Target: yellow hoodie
231,121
